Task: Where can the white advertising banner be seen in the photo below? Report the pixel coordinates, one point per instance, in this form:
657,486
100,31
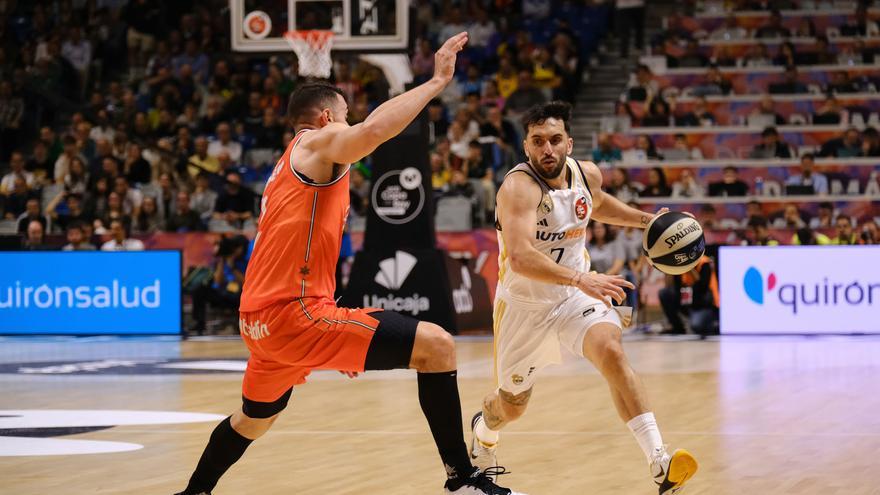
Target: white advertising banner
799,289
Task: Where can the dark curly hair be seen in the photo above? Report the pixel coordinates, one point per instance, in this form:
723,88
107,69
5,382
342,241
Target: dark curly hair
557,109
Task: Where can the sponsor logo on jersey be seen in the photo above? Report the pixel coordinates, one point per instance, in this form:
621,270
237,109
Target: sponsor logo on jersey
392,274
580,208
546,205
517,379
682,232
255,330
543,235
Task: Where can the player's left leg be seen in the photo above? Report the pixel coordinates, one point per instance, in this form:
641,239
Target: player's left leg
602,346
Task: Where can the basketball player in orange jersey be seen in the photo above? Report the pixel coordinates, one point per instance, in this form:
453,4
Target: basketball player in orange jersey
289,319
548,299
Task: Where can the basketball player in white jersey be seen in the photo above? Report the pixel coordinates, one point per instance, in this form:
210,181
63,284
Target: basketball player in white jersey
547,297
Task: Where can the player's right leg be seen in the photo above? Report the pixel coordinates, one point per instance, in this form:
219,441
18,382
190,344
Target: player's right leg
499,409
230,439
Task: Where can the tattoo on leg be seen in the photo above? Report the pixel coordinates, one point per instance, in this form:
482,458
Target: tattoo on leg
516,400
492,414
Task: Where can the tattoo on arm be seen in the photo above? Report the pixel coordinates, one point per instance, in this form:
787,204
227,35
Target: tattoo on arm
645,219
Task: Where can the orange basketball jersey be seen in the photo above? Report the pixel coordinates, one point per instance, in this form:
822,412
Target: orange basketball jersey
299,235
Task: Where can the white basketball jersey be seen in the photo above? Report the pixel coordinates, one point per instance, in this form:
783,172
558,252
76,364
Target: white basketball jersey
560,234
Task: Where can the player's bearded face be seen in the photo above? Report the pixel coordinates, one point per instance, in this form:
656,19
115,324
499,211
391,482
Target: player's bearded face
547,145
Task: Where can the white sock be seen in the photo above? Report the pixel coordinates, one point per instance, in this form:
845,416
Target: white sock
644,428
485,435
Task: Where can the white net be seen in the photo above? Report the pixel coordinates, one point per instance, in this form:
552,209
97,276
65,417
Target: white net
312,51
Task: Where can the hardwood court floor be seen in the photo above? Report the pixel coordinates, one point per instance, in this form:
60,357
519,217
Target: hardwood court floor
763,416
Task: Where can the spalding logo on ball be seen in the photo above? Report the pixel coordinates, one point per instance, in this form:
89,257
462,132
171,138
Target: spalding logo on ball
674,242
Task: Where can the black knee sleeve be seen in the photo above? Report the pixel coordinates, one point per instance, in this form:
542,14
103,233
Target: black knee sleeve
263,410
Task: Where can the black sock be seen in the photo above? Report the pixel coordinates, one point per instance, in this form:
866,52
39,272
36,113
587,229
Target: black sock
438,396
224,448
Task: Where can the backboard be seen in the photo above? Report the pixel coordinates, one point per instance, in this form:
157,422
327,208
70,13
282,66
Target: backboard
359,25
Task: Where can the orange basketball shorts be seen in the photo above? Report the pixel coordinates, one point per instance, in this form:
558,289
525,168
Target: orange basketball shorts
290,339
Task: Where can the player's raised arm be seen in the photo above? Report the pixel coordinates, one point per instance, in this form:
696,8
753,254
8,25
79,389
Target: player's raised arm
607,208
339,143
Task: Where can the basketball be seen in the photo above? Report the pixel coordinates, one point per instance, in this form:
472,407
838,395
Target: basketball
674,242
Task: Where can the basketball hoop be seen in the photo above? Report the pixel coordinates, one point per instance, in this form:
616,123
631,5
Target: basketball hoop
312,48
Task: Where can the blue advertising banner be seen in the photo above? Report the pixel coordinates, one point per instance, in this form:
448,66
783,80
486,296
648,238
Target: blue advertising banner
90,293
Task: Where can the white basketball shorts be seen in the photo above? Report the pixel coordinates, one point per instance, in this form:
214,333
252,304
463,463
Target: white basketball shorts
529,337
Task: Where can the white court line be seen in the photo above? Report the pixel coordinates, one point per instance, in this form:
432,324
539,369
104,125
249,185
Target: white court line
535,433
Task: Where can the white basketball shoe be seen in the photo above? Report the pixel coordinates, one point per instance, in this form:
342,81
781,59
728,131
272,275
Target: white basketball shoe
671,472
482,456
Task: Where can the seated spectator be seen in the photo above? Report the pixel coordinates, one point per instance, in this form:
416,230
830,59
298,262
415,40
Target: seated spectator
862,25
642,85
149,219
766,111
62,164
15,202
714,84
201,161
459,140
787,56
691,57
758,226
773,28
698,116
646,145
681,150
204,199
131,198
119,240
708,217
605,151
359,190
870,142
113,211
805,236
657,186
687,186
844,234
16,169
460,186
224,142
757,56
135,168
808,179
606,253
695,292
729,30
225,286
236,204
849,55
829,113
657,114
438,123
32,213
791,218
40,163
723,56
729,185
824,217
35,240
621,187
77,178
822,53
805,29
440,173
790,84
841,84
771,146
76,238
184,218
66,208
524,97
870,233
846,146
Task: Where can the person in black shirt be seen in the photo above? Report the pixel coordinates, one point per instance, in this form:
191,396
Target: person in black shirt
790,83
500,128
846,146
657,186
270,132
658,114
773,28
841,83
771,146
829,113
184,218
438,124
235,204
730,184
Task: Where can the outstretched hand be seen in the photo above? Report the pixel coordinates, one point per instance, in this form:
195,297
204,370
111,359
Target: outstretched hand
444,59
603,287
